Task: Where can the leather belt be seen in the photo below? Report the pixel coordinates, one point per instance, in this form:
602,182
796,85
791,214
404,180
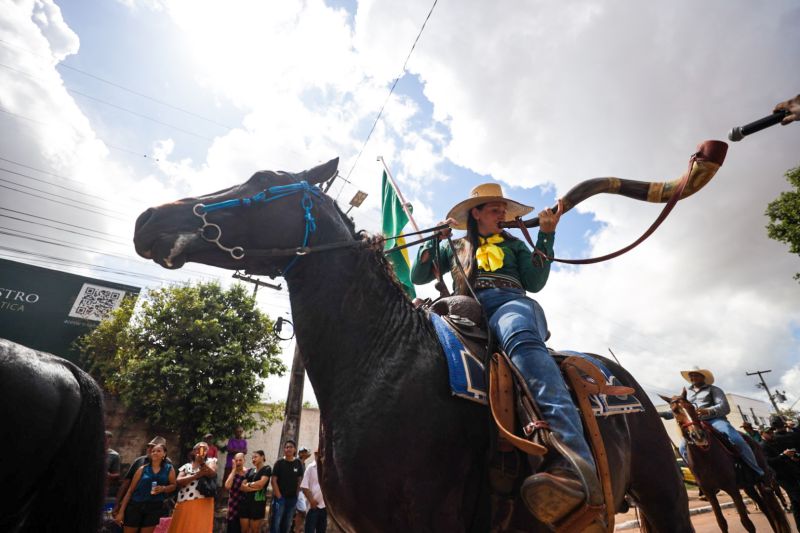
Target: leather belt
496,283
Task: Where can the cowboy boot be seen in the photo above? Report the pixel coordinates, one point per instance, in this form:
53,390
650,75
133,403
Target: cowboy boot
552,495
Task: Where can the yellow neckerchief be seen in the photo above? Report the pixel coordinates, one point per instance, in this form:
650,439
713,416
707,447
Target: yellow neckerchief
489,255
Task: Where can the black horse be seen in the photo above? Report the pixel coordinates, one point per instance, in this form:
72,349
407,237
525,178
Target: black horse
399,453
52,465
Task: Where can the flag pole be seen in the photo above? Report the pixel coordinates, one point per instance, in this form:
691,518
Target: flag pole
399,194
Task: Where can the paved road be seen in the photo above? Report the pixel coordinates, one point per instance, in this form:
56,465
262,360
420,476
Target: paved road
706,523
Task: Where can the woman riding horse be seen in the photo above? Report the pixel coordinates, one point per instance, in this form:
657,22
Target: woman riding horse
502,269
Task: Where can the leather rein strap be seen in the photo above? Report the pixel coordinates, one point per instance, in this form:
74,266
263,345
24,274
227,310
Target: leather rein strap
676,195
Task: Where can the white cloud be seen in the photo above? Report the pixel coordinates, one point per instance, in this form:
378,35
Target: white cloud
544,93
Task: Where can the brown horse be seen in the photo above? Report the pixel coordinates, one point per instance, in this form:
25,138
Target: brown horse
399,453
714,466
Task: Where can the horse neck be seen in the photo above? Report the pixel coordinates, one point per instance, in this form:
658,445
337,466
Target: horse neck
350,318
712,462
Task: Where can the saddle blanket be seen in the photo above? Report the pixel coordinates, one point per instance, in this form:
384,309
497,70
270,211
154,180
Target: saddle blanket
468,378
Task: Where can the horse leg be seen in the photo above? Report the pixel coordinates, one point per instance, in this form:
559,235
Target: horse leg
772,508
712,499
741,508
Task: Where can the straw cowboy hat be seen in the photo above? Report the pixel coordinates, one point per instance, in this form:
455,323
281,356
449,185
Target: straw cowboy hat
482,194
707,373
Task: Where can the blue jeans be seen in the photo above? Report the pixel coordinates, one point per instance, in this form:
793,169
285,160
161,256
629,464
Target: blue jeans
316,521
520,327
282,514
722,425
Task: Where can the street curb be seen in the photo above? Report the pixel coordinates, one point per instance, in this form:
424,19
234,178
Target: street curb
630,524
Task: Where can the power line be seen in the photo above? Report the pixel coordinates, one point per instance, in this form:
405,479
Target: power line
61,222
51,183
115,106
119,148
12,182
39,224
140,115
77,247
119,86
391,90
61,203
83,264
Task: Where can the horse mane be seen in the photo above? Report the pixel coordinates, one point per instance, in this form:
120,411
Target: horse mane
351,226
374,249
374,244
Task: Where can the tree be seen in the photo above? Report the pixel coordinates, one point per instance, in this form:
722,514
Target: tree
784,215
191,360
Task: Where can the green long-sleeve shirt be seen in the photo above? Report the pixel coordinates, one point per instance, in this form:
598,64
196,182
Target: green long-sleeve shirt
516,262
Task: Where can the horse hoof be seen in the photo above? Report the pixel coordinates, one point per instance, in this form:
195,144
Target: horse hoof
550,497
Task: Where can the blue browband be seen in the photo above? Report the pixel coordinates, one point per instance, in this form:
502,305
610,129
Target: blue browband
272,193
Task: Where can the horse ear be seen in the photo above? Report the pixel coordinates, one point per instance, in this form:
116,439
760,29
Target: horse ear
320,173
683,393
665,398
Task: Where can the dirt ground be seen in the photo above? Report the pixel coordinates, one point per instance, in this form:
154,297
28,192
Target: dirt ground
706,523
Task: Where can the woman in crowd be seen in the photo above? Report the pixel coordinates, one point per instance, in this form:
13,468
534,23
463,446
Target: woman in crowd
253,506
194,512
233,485
143,504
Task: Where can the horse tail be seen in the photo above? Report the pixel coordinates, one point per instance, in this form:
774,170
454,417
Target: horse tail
71,496
770,506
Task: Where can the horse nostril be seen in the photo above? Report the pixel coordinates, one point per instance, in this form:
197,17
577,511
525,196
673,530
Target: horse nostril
143,218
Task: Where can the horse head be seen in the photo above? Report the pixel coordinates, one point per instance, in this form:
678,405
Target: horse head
692,428
261,226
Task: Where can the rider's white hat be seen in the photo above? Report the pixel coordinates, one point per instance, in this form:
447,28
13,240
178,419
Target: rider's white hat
705,372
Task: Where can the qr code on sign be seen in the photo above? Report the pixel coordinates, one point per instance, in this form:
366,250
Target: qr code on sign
95,302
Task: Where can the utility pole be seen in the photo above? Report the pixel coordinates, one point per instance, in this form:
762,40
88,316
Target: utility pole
294,402
763,385
294,398
256,282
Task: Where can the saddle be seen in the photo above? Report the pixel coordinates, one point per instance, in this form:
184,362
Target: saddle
520,425
745,476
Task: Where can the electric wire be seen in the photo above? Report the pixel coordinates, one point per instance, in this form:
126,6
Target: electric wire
110,104
12,182
60,222
63,203
78,247
42,171
391,90
119,86
109,145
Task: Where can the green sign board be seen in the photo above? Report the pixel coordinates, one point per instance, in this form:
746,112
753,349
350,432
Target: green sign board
48,310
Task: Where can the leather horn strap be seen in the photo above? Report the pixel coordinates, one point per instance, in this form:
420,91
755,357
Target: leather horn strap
676,195
501,402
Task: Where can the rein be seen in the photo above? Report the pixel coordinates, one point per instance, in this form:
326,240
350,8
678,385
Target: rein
212,233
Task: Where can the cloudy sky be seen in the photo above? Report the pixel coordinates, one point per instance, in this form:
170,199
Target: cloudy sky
107,108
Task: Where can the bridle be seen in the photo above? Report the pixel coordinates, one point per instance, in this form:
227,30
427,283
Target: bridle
212,233
699,427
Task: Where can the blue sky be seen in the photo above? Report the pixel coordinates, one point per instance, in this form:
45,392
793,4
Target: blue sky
539,98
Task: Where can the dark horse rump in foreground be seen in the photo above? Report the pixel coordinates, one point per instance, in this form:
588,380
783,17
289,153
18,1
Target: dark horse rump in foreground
52,465
398,452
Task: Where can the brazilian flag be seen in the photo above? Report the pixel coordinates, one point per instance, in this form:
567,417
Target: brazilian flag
394,220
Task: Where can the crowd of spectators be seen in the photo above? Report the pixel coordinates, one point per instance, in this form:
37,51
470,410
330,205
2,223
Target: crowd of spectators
155,496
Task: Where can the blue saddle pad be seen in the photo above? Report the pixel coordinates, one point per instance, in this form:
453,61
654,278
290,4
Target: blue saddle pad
467,372
469,380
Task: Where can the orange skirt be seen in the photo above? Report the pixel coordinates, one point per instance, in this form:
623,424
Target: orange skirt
193,516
